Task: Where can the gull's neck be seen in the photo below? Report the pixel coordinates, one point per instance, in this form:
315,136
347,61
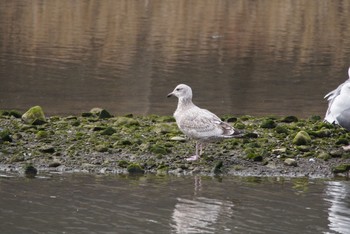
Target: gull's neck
184,103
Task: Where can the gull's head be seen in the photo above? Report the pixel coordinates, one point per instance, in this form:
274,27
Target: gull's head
182,92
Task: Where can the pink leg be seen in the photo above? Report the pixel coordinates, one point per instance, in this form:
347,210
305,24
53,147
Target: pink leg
196,156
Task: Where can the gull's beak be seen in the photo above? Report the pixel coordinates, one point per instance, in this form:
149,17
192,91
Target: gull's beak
170,94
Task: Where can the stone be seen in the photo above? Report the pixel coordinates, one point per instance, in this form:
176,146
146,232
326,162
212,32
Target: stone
290,162
5,135
302,138
178,138
289,119
108,131
30,171
34,116
135,168
268,123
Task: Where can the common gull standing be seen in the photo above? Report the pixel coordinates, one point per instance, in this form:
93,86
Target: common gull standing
197,123
338,111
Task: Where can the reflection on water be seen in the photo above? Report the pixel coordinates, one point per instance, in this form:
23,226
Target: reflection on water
150,204
263,57
200,215
339,211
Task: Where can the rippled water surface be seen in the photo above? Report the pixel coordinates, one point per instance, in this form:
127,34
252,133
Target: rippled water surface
240,57
149,204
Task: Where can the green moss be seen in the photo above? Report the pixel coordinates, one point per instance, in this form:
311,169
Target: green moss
108,131
41,134
159,149
126,121
342,141
302,138
30,171
289,119
217,169
34,116
341,168
135,168
268,123
281,129
5,135
324,156
101,148
123,164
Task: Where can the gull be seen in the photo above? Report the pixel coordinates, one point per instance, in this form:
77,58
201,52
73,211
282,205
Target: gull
197,123
338,111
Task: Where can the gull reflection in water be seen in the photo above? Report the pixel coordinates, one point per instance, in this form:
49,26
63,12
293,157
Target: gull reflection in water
338,195
201,214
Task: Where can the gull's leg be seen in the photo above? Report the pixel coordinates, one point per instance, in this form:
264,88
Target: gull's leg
196,156
201,148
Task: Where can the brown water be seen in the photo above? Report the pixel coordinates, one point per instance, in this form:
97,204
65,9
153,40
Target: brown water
240,57
149,204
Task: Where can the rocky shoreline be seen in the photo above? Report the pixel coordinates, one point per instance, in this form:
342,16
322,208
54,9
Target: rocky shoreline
98,143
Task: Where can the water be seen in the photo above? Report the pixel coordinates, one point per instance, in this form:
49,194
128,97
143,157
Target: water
240,57
150,204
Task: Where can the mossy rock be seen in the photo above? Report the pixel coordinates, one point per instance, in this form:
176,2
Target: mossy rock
126,121
324,156
159,149
166,119
13,113
268,123
321,133
342,141
5,135
47,149
123,164
341,168
101,113
289,119
30,171
302,138
108,131
34,116
217,169
281,129
42,134
164,128
135,168
101,148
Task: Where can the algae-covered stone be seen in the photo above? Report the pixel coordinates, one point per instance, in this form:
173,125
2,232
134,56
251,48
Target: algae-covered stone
217,169
30,171
101,113
47,149
281,129
126,121
135,168
268,123
5,135
108,131
342,141
324,155
164,128
341,168
34,116
159,149
41,134
101,148
289,119
302,138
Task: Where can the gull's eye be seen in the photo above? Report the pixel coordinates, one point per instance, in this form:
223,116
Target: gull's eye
178,89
